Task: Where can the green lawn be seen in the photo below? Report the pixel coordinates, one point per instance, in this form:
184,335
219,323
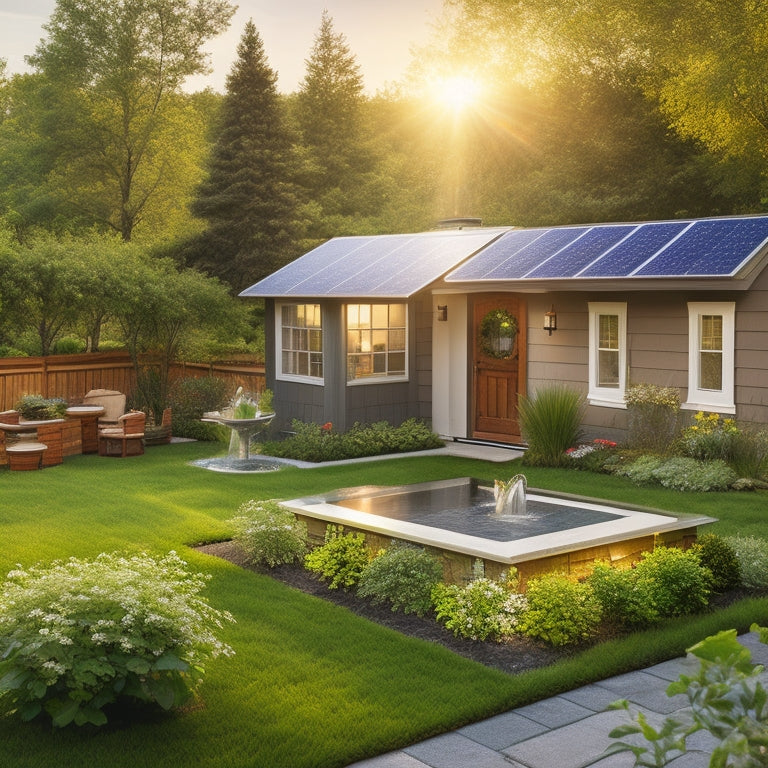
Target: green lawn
311,684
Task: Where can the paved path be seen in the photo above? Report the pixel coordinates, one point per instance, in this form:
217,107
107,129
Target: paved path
566,731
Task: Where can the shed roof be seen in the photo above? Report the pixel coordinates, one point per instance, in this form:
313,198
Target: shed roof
375,266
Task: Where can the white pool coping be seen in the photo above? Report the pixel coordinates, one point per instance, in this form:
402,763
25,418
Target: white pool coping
627,524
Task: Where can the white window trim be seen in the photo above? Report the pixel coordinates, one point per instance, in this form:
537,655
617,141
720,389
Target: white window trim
378,379
279,374
721,401
607,397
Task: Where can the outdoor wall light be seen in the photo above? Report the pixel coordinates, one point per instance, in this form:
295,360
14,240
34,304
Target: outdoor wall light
550,320
442,312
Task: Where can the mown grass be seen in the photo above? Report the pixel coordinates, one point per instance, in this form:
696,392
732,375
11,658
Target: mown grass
311,684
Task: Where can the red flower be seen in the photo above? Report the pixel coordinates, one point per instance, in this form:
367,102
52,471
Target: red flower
327,427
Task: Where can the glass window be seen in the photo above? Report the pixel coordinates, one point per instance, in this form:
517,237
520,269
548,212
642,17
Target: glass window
711,330
607,353
300,335
376,341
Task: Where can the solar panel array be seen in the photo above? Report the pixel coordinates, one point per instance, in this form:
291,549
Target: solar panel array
384,265
690,248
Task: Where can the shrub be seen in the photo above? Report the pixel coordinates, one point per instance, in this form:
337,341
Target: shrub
598,456
315,442
716,554
68,345
749,454
640,470
483,609
675,580
709,437
269,533
403,576
625,601
550,421
189,399
34,407
684,474
79,635
752,556
679,473
341,560
560,611
653,413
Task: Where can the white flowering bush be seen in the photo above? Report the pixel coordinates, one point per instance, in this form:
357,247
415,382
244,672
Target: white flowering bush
79,635
483,609
269,533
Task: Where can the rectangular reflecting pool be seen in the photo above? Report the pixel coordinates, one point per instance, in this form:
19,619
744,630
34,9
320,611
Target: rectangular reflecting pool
456,519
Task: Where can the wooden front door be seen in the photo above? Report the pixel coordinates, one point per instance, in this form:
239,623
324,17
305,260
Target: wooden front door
499,356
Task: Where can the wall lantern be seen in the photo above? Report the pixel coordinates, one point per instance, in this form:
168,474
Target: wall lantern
442,312
550,320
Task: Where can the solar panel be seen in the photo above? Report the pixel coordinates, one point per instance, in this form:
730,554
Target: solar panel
635,250
710,247
383,265
593,243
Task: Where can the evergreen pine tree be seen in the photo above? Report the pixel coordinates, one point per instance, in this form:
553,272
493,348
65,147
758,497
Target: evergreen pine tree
330,114
249,199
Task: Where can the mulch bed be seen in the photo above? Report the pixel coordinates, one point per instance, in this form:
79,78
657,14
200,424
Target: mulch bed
515,655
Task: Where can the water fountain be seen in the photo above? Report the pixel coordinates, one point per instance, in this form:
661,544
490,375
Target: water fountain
245,420
501,524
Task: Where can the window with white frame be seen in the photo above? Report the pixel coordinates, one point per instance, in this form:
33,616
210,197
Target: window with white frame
376,342
711,338
300,342
607,353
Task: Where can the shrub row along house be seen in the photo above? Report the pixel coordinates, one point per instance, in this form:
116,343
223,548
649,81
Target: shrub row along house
452,325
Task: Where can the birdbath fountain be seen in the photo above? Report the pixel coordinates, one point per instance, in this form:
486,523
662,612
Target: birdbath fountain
246,420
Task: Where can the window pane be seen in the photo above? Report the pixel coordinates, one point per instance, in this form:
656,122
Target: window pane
608,369
380,315
380,364
609,332
711,376
712,332
296,338
397,339
379,340
397,364
397,315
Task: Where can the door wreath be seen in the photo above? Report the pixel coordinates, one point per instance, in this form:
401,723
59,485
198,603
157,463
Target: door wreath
497,334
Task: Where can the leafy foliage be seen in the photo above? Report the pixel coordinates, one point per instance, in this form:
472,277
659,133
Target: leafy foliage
341,560
79,635
560,611
717,555
675,581
403,576
315,442
33,407
550,421
678,472
483,609
269,533
653,415
625,600
752,556
727,699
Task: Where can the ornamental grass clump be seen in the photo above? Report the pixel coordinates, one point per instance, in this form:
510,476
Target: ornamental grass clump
550,421
269,534
80,635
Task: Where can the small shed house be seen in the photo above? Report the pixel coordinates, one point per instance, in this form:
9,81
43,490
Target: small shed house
452,325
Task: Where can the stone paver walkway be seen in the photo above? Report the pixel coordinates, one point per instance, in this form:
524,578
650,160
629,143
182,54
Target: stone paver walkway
566,731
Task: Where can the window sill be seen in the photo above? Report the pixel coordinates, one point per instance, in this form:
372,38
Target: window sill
709,407
603,402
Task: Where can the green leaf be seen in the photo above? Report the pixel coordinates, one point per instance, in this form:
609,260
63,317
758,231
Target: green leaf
14,679
30,710
170,661
139,666
62,713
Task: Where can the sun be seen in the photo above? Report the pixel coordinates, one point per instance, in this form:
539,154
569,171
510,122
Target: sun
457,92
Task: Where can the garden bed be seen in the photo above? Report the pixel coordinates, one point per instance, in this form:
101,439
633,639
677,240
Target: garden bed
514,655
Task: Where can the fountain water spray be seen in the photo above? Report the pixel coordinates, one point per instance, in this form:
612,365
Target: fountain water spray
510,496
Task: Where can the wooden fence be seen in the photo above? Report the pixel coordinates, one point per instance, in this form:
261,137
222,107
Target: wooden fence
71,376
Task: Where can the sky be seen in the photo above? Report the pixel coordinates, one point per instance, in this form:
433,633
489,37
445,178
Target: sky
380,33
